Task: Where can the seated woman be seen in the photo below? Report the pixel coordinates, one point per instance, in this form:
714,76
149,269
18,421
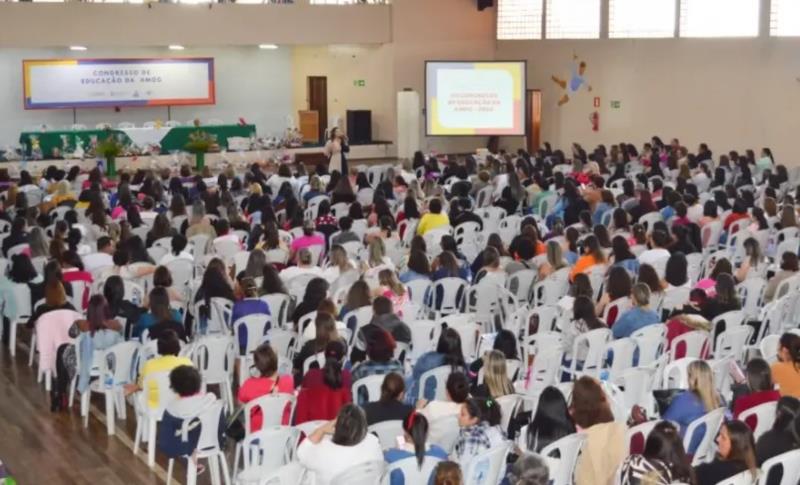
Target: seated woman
605,446
250,304
448,352
491,273
496,383
99,331
380,356
324,391
583,320
592,256
554,260
391,288
417,268
479,420
551,422
781,437
638,316
413,444
754,263
789,267
786,372
350,445
623,256
695,402
456,392
391,405
663,460
736,454
757,389
326,332
267,382
446,266
726,300
160,317
618,285
709,283
506,343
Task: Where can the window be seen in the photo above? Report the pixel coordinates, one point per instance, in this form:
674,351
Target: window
573,19
719,18
785,18
519,19
641,18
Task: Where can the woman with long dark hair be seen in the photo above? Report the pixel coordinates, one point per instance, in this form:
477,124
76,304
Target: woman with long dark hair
663,460
448,352
606,444
324,391
551,422
736,454
414,444
350,445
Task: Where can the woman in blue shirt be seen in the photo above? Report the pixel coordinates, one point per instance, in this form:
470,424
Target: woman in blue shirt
418,267
249,305
414,444
446,266
700,399
448,352
160,315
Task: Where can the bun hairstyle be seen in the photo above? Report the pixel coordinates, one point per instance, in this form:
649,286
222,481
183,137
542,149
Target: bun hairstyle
416,426
485,409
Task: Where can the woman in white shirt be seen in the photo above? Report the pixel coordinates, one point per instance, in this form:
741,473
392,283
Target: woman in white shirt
349,445
178,251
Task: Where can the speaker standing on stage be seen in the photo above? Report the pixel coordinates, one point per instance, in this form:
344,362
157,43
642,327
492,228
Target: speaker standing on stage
335,150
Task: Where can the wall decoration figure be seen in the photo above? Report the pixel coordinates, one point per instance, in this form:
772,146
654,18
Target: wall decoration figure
577,79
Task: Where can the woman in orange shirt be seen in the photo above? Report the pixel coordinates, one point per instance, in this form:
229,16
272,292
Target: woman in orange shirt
592,255
786,372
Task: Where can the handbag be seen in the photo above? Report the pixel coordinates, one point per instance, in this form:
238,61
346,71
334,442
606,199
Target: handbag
664,398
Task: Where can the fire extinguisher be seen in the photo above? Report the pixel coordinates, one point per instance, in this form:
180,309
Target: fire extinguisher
595,119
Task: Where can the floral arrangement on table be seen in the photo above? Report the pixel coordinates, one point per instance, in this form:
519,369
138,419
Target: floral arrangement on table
110,148
201,143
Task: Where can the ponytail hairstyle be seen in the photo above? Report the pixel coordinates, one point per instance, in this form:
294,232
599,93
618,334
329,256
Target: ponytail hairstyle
416,427
332,372
485,409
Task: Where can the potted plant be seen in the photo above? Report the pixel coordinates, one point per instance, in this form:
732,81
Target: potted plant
109,149
200,143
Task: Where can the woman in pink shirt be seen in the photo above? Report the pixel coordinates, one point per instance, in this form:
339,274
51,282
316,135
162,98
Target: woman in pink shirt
268,382
391,288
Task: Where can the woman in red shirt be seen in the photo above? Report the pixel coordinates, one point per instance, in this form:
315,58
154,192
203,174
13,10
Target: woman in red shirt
739,212
759,390
267,382
324,391
72,269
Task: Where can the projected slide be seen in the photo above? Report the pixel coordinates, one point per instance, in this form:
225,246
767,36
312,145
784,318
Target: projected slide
475,98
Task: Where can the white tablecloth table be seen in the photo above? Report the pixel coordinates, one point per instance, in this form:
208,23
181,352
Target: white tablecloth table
146,136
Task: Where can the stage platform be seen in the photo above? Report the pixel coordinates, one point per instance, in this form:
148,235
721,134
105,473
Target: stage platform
377,150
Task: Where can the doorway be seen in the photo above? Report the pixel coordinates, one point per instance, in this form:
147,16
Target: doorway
318,101
533,119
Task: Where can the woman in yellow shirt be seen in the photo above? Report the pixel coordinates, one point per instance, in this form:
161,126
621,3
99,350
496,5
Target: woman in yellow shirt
168,347
592,255
786,372
433,219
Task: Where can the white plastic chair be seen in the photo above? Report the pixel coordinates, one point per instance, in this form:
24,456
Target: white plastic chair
751,292
371,386
220,315
265,450
22,297
255,327
696,343
446,296
279,304
768,347
110,382
651,342
623,352
214,357
424,337
208,447
595,340
764,415
642,429
568,448
477,472
387,432
706,448
273,407
412,472
182,272
367,473
147,417
732,342
419,290
549,291
789,462
439,375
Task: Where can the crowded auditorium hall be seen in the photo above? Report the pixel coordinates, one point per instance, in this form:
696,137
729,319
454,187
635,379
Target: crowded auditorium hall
400,242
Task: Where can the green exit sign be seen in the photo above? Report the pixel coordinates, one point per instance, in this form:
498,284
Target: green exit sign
615,104
359,83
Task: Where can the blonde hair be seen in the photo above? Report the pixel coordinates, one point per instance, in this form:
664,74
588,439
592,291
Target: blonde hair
316,183
701,382
256,189
377,250
387,277
339,259
495,375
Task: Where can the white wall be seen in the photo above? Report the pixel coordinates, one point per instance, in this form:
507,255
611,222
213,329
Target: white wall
251,83
730,93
